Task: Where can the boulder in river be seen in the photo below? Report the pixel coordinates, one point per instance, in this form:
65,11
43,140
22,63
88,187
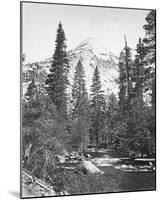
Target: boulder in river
87,166
61,159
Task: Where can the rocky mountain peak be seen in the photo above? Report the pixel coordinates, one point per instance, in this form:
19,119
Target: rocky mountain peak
95,46
92,53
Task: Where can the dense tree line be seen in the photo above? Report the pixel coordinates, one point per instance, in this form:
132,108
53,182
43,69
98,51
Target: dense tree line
136,104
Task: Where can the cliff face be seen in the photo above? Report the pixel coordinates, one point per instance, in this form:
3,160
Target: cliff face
92,53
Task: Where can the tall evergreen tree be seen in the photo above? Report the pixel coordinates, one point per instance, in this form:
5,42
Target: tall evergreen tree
128,65
150,51
138,77
149,40
57,81
125,98
79,92
98,105
111,119
32,104
80,110
137,105
122,83
125,84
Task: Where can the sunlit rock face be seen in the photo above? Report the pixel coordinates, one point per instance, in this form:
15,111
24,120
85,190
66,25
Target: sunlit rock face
92,53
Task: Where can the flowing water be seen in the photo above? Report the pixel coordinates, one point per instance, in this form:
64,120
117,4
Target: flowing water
132,175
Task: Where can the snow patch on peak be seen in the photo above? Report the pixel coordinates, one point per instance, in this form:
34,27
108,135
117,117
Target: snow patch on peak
93,53
94,45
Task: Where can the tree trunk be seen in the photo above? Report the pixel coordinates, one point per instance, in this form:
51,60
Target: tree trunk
81,148
97,140
105,141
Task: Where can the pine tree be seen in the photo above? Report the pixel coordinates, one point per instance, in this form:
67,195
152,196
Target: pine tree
125,130
98,105
111,119
137,105
33,104
79,92
150,51
80,110
31,92
128,66
139,71
57,81
125,83
149,40
122,83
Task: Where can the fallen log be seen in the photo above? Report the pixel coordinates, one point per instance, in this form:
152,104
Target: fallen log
48,188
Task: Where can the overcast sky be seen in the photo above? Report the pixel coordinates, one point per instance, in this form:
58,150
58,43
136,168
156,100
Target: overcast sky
108,25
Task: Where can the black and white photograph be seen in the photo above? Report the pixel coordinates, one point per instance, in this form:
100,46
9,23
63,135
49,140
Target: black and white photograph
88,99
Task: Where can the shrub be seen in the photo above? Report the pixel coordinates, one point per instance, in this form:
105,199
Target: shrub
79,183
